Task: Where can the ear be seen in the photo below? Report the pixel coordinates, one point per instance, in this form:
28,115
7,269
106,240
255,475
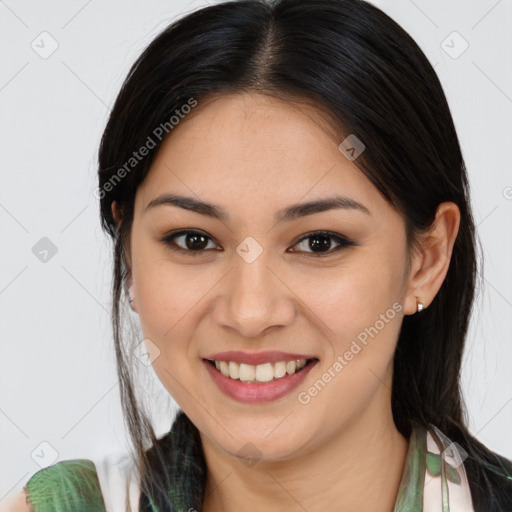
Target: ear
129,290
116,213
132,299
431,259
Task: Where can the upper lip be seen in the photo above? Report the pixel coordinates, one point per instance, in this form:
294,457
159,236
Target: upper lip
255,358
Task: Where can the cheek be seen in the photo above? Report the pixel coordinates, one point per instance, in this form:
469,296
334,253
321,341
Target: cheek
165,290
163,297
361,314
169,307
352,296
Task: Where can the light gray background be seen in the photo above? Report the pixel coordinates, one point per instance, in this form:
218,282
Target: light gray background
57,377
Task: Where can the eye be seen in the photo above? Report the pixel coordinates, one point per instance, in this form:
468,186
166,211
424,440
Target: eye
194,242
320,243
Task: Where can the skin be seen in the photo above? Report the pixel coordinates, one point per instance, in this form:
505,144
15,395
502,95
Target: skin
16,503
253,155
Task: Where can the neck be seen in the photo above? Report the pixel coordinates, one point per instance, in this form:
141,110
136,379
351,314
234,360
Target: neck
360,468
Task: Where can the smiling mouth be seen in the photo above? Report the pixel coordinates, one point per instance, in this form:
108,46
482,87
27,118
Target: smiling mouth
261,373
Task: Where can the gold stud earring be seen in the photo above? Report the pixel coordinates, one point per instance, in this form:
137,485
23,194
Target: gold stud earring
420,306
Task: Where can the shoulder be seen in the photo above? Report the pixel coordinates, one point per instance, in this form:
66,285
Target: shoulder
71,482
488,475
119,481
490,480
101,485
16,503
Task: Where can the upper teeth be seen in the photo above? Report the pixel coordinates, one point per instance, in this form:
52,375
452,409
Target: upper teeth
261,372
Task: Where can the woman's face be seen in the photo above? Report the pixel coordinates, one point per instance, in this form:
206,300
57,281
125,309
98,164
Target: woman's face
256,280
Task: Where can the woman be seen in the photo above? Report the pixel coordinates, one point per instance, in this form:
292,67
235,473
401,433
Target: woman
290,213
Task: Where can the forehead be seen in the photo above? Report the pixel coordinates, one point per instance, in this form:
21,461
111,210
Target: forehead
248,149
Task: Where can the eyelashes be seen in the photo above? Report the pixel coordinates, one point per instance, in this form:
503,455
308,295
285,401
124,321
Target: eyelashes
198,239
322,236
197,243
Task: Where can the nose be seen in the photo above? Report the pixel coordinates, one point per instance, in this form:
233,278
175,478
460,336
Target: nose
255,299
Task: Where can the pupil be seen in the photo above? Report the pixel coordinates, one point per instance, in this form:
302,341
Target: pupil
193,238
324,244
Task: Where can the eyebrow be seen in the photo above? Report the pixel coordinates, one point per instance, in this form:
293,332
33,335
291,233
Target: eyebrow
285,215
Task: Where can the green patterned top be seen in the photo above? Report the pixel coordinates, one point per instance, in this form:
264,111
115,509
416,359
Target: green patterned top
65,486
433,480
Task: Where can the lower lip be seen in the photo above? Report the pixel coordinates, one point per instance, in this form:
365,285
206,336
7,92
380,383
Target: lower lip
258,393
